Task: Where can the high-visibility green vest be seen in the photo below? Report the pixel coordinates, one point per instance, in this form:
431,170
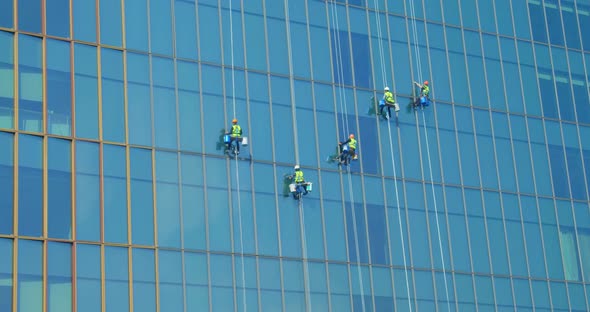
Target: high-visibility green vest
236,131
389,97
352,143
425,90
299,176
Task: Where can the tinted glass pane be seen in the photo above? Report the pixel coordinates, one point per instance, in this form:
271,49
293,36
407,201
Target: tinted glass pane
138,99
209,33
6,14
87,191
116,278
29,16
30,178
86,93
136,23
164,100
6,274
142,207
59,188
113,96
185,29
171,290
30,83
7,74
88,287
197,289
144,280
59,88
168,199
110,23
59,277
115,194
30,276
84,13
7,181
57,18
161,27
537,21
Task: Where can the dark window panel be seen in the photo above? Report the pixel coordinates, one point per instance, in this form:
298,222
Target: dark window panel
570,24
87,192
59,188
30,83
111,23
6,14
86,93
6,274
7,74
30,178
115,194
7,182
59,88
537,19
57,18
29,16
84,15
113,96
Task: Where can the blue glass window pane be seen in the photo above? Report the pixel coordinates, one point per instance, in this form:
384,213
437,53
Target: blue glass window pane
116,278
189,106
6,274
552,251
136,23
570,25
113,96
270,283
193,205
59,188
6,14
306,137
504,17
293,285
142,204
59,88
300,52
30,178
419,236
266,217
7,182
197,289
87,191
30,275
144,280
576,296
584,18
168,201
541,295
440,71
479,249
320,53
86,93
115,194
469,16
363,76
161,27
522,294
236,46
29,16
164,103
57,18
459,242
498,245
534,249
255,43
84,14
185,29
458,66
30,83
88,287
218,207
521,23
221,283
537,21
487,16
342,69
7,74
559,296
170,272
576,173
377,228
138,99
558,170
110,23
278,52
209,34
552,9
59,277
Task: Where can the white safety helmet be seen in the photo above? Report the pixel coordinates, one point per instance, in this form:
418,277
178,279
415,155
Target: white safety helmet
386,89
296,167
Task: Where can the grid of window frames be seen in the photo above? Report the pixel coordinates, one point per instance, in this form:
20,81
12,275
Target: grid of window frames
115,195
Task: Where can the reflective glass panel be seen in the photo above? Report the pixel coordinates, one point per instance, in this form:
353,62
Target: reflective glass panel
6,14
86,93
57,18
59,88
30,63
84,14
144,280
6,249
59,277
7,76
30,178
110,23
30,276
116,278
59,188
29,16
115,194
88,271
87,191
7,182
142,203
113,96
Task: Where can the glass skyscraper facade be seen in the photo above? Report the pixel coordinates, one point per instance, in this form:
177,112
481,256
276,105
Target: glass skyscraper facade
116,194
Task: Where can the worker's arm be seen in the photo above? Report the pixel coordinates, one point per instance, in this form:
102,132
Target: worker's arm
417,84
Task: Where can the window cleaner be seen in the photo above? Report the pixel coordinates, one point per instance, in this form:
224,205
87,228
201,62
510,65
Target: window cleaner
233,138
424,95
300,187
389,102
348,150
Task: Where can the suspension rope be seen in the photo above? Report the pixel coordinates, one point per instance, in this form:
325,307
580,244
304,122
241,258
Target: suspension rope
296,140
344,109
231,30
419,63
393,163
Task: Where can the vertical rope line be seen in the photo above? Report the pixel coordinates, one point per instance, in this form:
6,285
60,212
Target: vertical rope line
231,30
399,216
